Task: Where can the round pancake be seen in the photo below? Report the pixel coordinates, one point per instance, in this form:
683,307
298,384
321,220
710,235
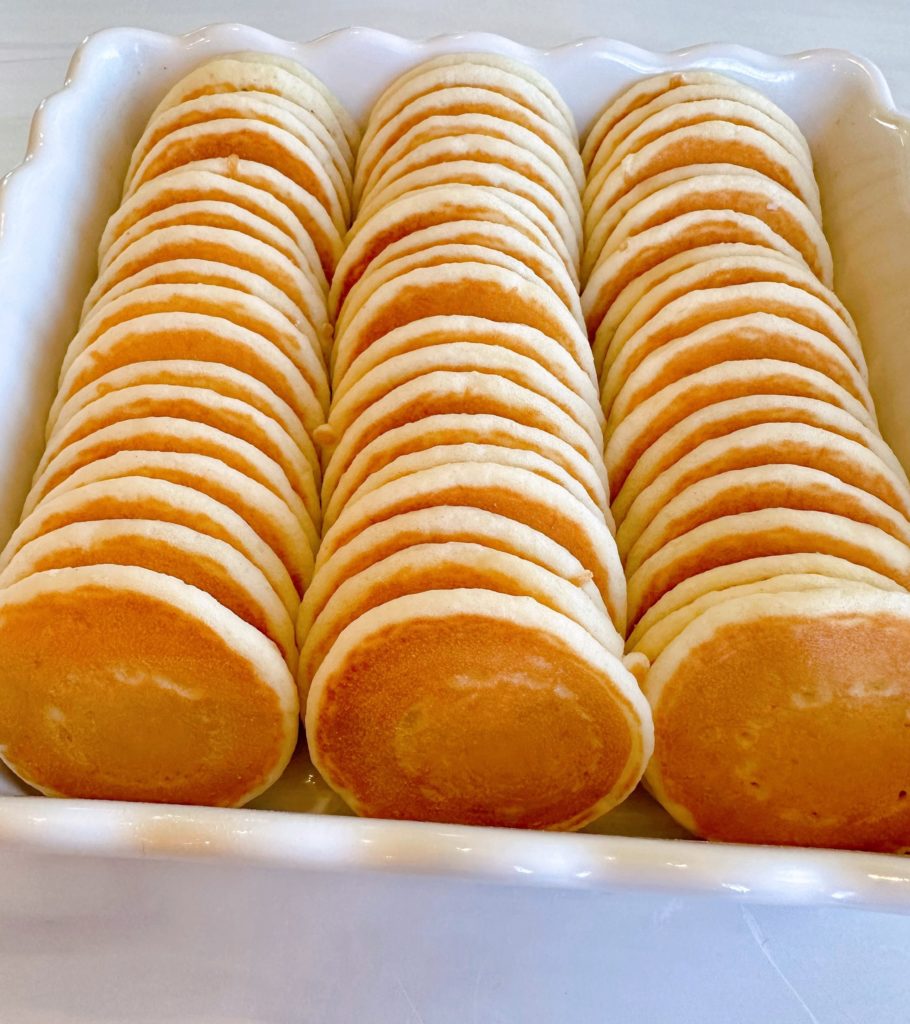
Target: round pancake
447,566
440,524
728,493
178,551
776,531
268,73
782,443
646,90
465,289
446,391
493,60
219,245
249,311
429,332
647,249
422,209
714,141
722,418
220,379
701,587
168,434
453,429
749,193
473,740
247,138
631,437
648,294
461,356
258,106
802,700
231,415
467,451
148,498
708,305
508,490
761,335
652,642
146,689
383,142
194,182
174,335
460,242
265,512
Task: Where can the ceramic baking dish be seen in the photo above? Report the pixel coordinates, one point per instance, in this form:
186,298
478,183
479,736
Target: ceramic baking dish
52,210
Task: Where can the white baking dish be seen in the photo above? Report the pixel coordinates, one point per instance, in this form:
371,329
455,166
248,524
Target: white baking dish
52,210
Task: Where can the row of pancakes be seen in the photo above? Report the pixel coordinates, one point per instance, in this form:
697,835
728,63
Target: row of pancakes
149,595
462,639
761,519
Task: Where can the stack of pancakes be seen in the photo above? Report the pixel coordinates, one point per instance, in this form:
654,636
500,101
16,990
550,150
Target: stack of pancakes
761,519
148,598
461,639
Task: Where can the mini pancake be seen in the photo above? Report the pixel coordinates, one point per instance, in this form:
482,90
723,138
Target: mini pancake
220,245
794,747
648,89
232,415
425,208
453,429
461,357
220,214
467,73
701,587
708,142
258,106
652,291
797,444
750,193
248,139
468,744
465,289
722,418
699,93
383,141
652,642
629,438
465,241
191,184
743,337
794,173
508,490
245,310
429,332
147,498
773,531
178,551
265,512
268,73
654,245
168,434
493,60
146,689
447,566
776,485
440,524
445,454
208,272
174,335
447,391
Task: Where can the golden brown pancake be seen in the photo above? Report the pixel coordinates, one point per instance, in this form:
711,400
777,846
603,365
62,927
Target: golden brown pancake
146,689
473,739
792,748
